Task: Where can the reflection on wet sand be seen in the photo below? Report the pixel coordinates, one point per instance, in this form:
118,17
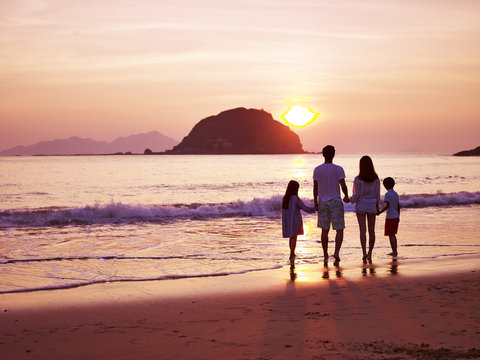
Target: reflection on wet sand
368,271
394,267
293,274
309,273
326,272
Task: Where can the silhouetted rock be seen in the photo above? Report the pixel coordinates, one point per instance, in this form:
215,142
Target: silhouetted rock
148,152
240,131
474,152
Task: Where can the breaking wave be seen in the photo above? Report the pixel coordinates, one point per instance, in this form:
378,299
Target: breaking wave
440,199
114,213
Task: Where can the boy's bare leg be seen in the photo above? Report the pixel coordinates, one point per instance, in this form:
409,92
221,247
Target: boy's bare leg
393,244
325,246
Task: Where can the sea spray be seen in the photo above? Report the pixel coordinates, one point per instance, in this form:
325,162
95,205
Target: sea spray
117,212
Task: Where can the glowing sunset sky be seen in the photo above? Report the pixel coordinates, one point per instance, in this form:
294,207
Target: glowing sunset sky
385,75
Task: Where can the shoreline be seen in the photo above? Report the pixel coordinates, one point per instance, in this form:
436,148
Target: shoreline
302,272
415,313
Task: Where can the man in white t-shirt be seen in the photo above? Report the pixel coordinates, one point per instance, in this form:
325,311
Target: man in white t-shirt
328,178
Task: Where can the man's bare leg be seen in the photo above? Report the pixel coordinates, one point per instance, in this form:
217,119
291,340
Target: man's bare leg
325,246
338,245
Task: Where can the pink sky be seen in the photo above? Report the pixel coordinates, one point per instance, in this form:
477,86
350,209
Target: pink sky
386,76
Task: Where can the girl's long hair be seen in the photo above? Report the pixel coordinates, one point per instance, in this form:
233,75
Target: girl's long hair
367,171
292,189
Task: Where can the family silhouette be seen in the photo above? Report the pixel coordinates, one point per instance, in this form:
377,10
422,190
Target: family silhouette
328,184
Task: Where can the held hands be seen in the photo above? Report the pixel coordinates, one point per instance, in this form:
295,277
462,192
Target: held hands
346,199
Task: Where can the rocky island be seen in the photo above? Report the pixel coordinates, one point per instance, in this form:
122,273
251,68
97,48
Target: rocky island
474,152
239,131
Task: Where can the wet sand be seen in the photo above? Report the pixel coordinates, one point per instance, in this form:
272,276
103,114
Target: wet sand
311,313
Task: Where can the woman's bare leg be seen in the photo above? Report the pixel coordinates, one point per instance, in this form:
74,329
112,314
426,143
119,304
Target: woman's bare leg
363,233
371,235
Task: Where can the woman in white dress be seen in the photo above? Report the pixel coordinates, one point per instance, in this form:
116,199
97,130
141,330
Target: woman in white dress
292,223
366,196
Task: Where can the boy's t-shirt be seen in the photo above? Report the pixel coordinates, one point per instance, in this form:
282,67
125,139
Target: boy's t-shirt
392,197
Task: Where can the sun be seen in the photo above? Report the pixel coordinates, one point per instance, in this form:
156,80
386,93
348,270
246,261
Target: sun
299,115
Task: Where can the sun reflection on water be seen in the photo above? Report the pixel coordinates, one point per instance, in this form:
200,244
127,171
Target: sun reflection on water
298,168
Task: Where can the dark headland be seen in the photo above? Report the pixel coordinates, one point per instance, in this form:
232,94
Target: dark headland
474,152
240,131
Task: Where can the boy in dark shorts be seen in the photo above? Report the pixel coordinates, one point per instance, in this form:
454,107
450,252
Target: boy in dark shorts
392,205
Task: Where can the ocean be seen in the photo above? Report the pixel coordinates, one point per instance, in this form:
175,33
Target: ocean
68,221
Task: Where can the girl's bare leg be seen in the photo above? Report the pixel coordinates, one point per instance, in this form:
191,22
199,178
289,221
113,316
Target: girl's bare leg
293,245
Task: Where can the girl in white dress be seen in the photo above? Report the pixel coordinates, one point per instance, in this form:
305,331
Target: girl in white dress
292,223
366,196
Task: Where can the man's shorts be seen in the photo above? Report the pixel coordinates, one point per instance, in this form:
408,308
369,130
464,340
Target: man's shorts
391,226
331,211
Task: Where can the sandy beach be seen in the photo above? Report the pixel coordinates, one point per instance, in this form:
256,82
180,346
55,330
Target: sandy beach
310,313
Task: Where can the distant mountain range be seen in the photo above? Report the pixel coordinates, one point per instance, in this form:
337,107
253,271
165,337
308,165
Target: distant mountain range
136,144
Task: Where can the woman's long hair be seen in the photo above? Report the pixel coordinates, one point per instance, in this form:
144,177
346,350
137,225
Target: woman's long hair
292,189
367,171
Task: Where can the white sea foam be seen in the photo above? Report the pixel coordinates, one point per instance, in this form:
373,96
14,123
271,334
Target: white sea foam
118,212
440,199
125,213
